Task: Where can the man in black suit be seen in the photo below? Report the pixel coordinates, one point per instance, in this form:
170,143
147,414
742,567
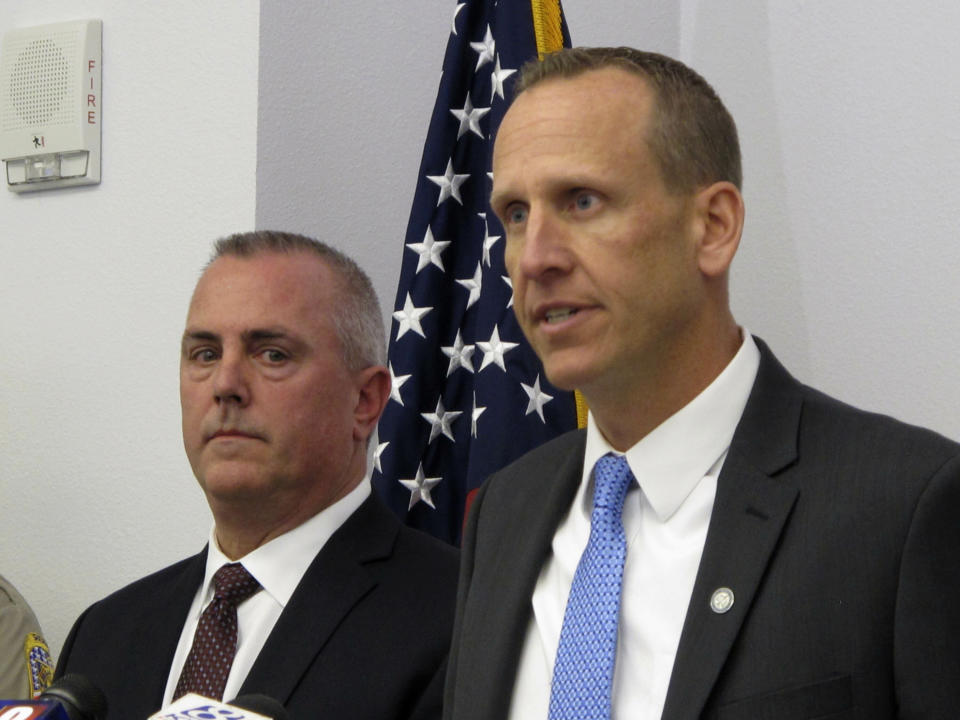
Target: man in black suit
786,556
346,613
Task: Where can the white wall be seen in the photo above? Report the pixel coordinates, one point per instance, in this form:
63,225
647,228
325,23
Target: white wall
848,115
95,490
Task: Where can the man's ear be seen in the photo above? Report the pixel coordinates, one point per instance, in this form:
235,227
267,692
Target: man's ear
373,385
719,209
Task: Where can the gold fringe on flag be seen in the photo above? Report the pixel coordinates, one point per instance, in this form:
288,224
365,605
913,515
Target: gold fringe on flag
581,403
546,26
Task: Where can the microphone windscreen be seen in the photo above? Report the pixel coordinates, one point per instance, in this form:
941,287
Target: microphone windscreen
81,699
261,704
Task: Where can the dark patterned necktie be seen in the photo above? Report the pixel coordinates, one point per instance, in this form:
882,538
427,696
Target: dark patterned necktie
215,642
583,673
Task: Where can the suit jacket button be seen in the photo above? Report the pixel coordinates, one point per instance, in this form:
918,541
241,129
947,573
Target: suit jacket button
722,600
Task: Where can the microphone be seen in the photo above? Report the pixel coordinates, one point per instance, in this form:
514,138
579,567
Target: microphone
263,704
196,707
72,697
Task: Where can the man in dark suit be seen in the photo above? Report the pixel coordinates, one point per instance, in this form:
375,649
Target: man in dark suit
722,541
332,607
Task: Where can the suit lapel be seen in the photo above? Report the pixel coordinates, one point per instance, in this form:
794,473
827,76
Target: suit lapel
318,606
161,623
528,544
750,511
512,557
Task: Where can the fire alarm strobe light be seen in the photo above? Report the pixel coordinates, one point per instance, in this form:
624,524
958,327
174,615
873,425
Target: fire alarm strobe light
50,110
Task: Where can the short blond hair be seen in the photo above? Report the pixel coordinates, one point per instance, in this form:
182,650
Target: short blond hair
693,136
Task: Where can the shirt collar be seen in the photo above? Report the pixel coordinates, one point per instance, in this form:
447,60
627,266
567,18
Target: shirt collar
280,564
670,461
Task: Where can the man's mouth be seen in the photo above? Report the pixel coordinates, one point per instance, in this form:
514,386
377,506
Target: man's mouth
231,434
558,315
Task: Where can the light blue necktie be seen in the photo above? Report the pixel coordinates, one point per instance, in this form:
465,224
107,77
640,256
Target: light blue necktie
583,673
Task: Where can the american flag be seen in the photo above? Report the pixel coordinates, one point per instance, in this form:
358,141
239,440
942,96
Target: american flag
469,395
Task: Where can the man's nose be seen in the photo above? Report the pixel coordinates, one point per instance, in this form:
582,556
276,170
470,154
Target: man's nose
230,381
544,247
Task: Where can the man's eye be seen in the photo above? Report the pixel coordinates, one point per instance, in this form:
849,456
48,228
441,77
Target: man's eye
516,215
585,201
203,355
273,356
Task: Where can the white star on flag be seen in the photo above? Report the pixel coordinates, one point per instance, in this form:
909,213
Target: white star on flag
449,183
488,240
459,355
420,488
485,48
496,80
376,456
456,11
509,282
440,421
494,350
409,318
396,382
473,285
469,118
429,251
477,412
538,398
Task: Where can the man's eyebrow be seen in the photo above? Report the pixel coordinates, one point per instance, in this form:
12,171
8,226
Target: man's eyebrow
275,333
254,335
199,335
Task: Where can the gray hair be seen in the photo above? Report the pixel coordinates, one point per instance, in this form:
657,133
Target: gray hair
356,318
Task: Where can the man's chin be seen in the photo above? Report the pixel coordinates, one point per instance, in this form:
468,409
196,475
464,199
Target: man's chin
234,484
566,375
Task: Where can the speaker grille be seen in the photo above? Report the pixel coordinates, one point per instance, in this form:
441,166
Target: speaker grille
41,78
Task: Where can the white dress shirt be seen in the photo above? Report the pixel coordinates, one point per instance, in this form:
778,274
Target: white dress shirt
278,566
665,519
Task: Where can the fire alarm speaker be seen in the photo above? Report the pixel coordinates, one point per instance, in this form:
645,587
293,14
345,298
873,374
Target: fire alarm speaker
50,105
